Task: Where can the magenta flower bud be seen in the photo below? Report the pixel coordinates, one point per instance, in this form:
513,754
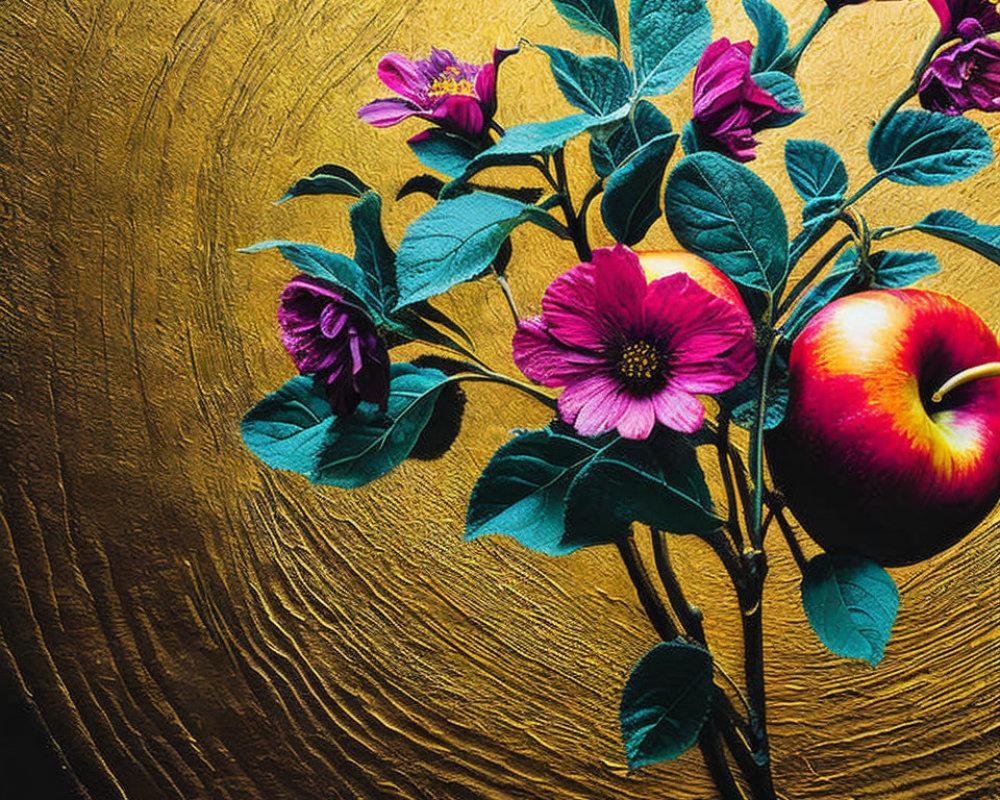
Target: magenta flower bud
729,107
967,19
460,97
330,336
963,77
632,353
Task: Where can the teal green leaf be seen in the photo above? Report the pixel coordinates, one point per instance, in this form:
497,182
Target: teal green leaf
371,251
456,241
288,428
522,491
407,323
667,38
334,267
742,400
666,701
923,148
851,603
723,212
631,201
772,34
328,179
954,226
785,90
595,84
596,17
896,269
444,152
368,443
646,124
546,137
815,169
658,484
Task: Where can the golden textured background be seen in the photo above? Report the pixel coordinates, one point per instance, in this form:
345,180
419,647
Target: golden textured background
187,623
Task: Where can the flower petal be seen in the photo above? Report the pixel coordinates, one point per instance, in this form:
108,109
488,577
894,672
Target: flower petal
544,359
404,77
461,113
390,111
678,410
710,342
569,307
620,284
638,420
594,405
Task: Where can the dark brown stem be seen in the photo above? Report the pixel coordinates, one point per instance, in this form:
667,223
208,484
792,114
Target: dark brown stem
689,616
577,224
651,602
793,543
732,510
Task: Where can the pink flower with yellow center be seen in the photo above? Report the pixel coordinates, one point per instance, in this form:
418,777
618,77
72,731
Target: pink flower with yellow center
631,353
458,96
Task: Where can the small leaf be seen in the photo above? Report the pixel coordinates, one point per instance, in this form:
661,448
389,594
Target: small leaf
954,226
522,491
630,481
667,37
596,84
922,148
544,137
442,151
410,326
596,17
666,701
647,124
368,443
742,399
456,241
328,179
896,269
723,212
333,267
287,429
371,251
690,140
631,201
785,90
772,34
851,603
815,169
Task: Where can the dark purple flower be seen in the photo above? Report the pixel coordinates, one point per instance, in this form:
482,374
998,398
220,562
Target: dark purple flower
729,107
963,77
968,19
459,97
329,335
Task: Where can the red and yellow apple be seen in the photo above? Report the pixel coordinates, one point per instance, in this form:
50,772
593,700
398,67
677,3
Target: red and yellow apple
659,263
866,458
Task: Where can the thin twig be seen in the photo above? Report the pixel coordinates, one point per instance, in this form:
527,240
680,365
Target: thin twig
651,601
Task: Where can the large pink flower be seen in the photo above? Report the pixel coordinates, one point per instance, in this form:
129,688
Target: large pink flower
632,354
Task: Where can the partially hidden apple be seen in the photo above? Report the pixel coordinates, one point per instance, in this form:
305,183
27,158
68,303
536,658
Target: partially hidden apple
891,444
659,263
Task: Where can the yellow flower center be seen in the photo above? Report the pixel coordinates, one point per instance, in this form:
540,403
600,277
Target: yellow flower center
639,363
451,82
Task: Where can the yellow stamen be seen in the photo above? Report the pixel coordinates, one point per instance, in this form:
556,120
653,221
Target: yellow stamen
990,370
639,362
450,82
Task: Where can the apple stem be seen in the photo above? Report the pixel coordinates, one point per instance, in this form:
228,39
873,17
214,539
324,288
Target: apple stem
990,370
